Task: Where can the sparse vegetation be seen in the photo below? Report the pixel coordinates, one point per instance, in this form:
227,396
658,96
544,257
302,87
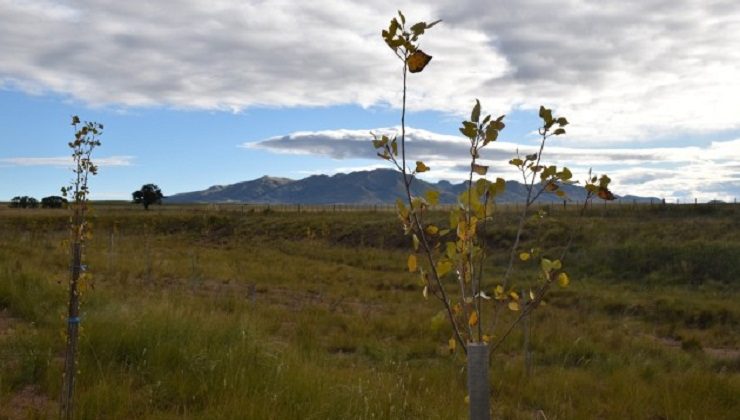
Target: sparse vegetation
205,327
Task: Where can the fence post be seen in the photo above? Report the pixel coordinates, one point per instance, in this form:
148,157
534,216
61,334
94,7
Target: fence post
526,331
478,391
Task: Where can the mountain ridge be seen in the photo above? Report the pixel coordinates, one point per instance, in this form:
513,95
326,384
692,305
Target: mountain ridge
377,186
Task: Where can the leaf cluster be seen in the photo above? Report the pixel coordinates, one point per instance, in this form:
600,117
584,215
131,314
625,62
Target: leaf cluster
405,42
450,259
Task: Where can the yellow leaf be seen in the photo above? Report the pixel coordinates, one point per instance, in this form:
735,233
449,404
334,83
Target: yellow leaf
456,309
412,263
415,240
514,306
417,61
557,265
524,256
432,196
424,292
421,167
473,320
487,338
467,399
432,230
563,280
452,345
514,295
443,267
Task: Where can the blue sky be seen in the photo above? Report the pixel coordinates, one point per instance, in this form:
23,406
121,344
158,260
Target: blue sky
222,93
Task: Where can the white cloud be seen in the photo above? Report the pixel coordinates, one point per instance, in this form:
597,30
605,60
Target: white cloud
621,71
64,161
710,172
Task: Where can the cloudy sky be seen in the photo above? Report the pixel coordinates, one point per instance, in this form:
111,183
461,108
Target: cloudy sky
197,93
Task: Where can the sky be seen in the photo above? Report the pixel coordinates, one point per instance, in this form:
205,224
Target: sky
200,93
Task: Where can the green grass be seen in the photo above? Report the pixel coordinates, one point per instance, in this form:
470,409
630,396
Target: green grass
280,315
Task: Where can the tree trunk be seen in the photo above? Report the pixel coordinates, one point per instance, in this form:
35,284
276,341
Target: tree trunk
73,324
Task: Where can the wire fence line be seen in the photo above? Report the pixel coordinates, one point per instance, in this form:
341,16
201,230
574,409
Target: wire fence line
562,206
246,208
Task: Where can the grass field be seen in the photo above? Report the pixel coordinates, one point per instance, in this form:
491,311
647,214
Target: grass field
246,313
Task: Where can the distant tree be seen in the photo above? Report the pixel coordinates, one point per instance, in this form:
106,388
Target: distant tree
53,202
24,202
148,194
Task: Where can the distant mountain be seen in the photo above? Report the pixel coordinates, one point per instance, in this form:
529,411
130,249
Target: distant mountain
362,187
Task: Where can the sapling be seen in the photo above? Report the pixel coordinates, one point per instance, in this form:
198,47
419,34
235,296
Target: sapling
450,260
87,138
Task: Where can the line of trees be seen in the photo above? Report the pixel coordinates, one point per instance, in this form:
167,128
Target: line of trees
26,202
148,194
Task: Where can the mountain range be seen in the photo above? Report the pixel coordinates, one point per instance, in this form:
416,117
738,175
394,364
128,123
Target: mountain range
362,187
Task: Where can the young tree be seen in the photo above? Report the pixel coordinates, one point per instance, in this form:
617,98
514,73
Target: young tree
148,194
87,138
450,260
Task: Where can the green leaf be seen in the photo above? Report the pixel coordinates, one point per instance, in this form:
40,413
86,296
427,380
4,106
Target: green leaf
469,129
418,28
450,249
559,131
454,218
421,167
546,115
491,134
481,185
566,174
498,187
394,147
402,210
546,265
432,196
562,121
480,169
393,27
475,115
438,321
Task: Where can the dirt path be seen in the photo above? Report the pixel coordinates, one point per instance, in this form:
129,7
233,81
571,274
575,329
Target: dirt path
715,353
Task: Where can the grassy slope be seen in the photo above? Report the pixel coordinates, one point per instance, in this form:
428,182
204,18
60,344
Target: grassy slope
282,315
